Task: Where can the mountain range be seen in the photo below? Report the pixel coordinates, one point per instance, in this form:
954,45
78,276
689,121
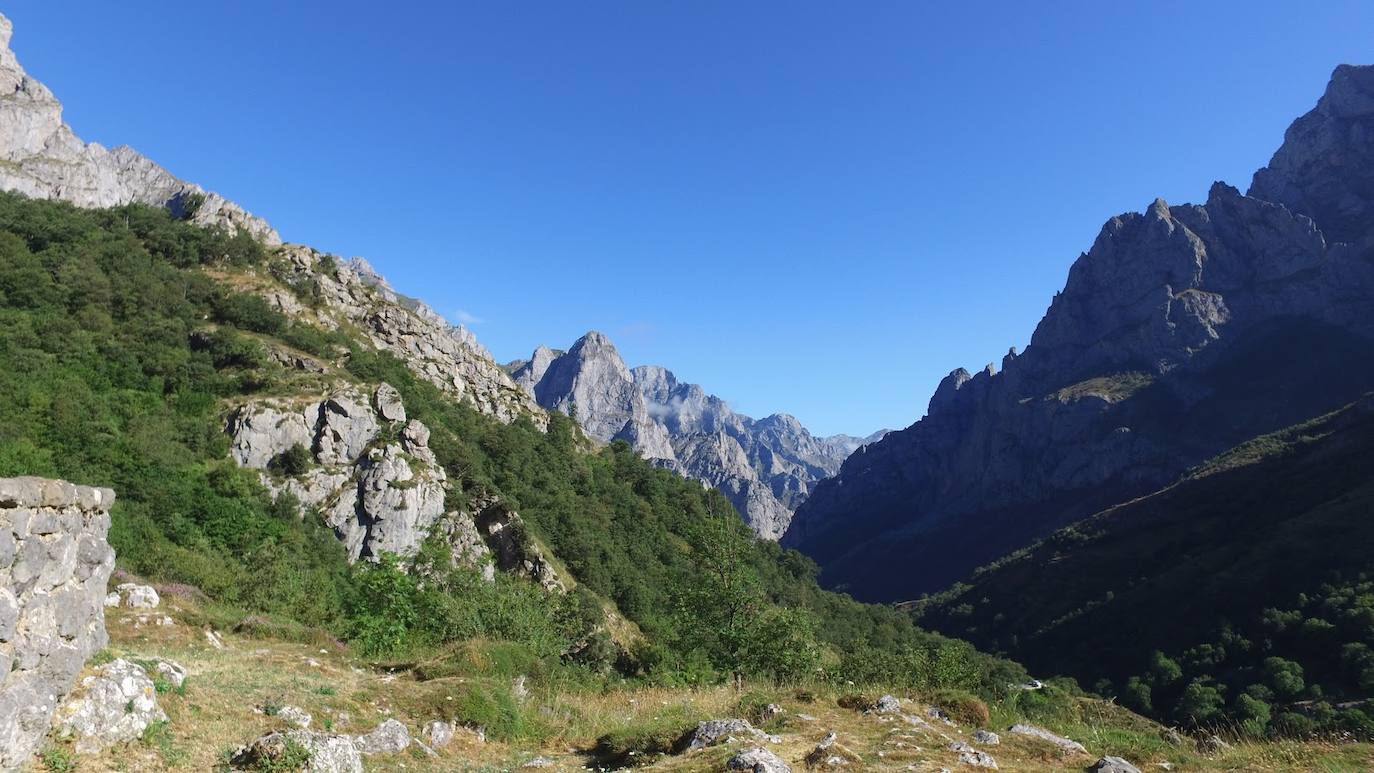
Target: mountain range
766,467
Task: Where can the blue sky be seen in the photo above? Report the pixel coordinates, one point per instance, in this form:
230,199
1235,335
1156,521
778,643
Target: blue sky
818,208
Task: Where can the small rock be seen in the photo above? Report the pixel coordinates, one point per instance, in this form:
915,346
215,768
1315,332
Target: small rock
1171,736
213,639
137,596
172,671
519,688
112,600
972,757
1113,765
389,403
1045,735
757,760
1212,744
391,736
771,711
538,762
713,731
987,737
439,734
887,705
327,753
294,716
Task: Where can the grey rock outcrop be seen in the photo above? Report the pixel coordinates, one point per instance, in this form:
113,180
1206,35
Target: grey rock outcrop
389,737
973,757
113,706
41,158
54,564
714,731
1182,332
1041,733
379,496
765,467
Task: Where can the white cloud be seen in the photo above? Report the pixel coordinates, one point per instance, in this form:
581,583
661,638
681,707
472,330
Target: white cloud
466,317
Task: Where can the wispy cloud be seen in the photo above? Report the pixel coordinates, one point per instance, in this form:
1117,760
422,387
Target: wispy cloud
466,317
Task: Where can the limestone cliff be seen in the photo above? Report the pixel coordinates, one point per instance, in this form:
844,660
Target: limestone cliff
42,158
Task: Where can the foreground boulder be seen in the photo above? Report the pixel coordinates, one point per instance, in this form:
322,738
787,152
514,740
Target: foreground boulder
1113,765
714,731
300,750
54,565
757,760
114,706
390,737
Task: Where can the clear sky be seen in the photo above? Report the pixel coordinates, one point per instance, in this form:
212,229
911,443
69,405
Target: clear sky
812,207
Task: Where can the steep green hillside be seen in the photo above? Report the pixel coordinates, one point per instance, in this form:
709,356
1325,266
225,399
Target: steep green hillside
122,342
1245,592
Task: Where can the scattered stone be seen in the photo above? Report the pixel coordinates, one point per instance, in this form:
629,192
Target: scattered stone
887,705
771,711
539,762
327,753
388,402
519,688
172,671
757,760
1113,765
1045,735
390,737
1212,744
1172,737
987,737
116,705
294,716
713,731
806,718
137,596
972,757
213,639
438,733
112,599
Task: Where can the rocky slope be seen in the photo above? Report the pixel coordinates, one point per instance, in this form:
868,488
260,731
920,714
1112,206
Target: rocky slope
1182,332
41,157
766,466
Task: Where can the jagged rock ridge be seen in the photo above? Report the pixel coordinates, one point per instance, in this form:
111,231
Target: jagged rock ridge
766,467
1184,330
42,158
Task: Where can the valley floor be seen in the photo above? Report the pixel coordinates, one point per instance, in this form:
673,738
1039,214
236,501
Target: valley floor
234,694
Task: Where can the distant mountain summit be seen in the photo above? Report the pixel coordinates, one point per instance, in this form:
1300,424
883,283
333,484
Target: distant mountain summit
766,466
1182,332
42,158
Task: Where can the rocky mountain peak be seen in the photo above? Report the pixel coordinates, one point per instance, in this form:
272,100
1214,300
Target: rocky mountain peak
765,467
1325,167
1155,355
41,157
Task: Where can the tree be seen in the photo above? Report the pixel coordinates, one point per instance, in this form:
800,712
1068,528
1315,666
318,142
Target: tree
1284,676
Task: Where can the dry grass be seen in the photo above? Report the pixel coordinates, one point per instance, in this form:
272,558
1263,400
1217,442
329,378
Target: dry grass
223,706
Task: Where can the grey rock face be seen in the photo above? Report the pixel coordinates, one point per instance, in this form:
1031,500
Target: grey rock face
448,356
439,734
114,706
54,564
41,158
765,467
1179,334
987,737
379,497
758,760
